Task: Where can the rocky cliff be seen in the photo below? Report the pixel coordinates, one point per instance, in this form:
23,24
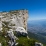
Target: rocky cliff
13,29
14,19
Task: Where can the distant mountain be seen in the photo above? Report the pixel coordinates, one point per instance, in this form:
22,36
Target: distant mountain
37,27
37,30
38,37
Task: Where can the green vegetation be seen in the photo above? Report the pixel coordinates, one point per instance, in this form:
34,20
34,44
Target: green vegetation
37,37
3,40
5,26
23,41
14,12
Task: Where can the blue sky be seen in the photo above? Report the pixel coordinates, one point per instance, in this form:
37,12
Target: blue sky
36,8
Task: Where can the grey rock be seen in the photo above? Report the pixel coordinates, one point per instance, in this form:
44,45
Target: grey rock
38,44
20,31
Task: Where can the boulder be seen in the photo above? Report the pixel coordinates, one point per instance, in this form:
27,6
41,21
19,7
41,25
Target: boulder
20,31
38,44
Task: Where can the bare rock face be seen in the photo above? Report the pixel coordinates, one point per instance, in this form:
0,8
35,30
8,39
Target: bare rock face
20,31
38,44
14,19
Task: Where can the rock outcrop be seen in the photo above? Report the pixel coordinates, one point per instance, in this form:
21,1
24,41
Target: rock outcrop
12,41
13,22
38,44
14,19
20,31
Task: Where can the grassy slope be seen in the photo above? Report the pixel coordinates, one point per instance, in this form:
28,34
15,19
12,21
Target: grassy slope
23,41
37,37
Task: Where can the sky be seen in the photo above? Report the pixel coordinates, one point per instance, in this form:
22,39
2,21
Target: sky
36,8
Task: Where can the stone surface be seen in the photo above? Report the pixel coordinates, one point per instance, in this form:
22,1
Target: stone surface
21,31
13,21
12,40
38,44
15,18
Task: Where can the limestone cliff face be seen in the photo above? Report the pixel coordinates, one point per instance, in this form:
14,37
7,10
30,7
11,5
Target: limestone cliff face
17,18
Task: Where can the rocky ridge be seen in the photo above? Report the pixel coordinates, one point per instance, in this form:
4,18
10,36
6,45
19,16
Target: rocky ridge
12,24
13,21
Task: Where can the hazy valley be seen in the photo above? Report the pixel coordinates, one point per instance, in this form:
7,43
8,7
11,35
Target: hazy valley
37,30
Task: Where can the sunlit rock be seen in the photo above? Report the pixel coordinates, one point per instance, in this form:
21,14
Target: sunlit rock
10,34
0,44
21,31
38,44
13,21
11,43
